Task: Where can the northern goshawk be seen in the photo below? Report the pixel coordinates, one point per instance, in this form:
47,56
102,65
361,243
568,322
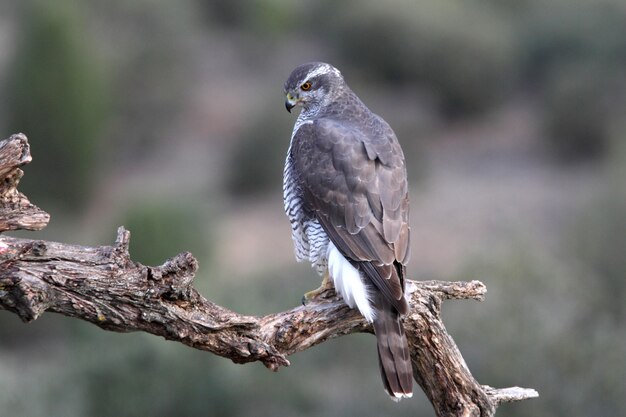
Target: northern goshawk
346,196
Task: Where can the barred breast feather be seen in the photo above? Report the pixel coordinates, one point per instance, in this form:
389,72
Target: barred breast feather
309,238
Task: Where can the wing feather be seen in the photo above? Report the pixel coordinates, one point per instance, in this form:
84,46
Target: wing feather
356,185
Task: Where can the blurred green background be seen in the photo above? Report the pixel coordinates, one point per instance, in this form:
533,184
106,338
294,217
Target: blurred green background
168,118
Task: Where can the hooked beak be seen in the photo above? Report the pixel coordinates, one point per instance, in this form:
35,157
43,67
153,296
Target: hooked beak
290,102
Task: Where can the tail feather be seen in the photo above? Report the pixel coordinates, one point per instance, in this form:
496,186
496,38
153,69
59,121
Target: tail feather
393,353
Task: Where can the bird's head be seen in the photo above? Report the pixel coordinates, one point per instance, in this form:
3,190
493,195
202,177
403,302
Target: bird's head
312,85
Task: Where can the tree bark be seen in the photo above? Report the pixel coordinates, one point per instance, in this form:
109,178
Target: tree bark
16,212
104,286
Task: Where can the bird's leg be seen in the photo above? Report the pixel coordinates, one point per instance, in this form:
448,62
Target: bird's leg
327,284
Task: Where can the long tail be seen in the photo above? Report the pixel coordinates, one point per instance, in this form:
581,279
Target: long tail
393,353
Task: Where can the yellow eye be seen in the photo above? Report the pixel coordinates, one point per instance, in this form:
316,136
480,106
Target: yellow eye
306,86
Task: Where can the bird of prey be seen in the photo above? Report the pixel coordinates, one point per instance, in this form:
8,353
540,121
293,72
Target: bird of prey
345,192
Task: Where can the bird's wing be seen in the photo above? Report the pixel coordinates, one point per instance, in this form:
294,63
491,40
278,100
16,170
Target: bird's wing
356,185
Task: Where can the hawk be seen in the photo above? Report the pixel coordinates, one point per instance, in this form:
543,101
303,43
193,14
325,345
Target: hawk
346,196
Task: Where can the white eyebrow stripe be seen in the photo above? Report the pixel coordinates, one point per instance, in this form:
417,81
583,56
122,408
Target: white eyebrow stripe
321,70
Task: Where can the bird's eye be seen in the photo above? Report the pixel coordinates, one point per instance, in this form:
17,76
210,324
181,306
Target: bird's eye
306,86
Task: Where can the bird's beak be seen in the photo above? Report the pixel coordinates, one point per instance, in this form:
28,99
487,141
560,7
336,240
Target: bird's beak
290,102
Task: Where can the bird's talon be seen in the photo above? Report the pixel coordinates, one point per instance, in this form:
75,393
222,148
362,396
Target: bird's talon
308,296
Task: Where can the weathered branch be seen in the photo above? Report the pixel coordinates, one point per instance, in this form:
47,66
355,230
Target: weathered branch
104,286
16,212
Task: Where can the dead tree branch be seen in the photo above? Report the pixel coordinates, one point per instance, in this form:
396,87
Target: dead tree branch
102,285
16,212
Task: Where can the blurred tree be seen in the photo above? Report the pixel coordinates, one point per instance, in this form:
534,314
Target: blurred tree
263,17
260,155
577,109
434,44
151,51
577,63
584,32
57,97
161,230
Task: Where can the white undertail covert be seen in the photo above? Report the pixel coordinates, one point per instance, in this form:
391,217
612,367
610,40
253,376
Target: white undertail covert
348,283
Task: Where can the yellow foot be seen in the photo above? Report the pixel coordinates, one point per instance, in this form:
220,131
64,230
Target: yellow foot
326,285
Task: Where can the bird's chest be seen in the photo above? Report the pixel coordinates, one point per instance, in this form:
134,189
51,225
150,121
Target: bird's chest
309,238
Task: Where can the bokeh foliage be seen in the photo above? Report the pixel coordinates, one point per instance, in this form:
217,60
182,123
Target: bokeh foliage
161,229
57,95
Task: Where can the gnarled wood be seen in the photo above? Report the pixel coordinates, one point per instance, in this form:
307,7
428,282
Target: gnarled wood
104,286
16,212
